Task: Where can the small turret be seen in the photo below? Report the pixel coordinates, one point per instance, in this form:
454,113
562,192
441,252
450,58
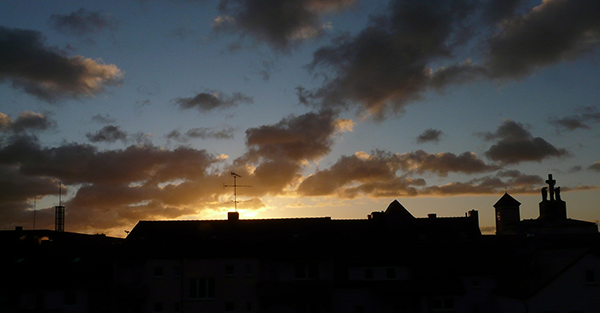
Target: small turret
507,215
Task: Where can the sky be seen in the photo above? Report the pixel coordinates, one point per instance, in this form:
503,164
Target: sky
141,109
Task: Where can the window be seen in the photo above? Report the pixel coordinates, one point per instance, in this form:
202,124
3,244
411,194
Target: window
229,306
307,271
176,271
590,277
176,307
70,297
202,288
158,307
308,308
369,273
390,273
229,270
249,306
158,272
442,305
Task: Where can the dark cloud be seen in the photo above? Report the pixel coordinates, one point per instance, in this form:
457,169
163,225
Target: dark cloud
442,163
103,119
46,72
430,135
26,121
279,23
385,66
81,22
515,144
117,187
417,46
206,102
224,132
595,166
552,32
582,120
278,152
376,175
109,133
498,10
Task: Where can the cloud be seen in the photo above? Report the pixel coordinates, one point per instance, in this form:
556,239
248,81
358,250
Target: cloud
384,67
552,32
103,119
418,46
430,135
279,23
277,153
376,175
45,72
109,133
117,187
206,102
577,121
112,189
27,120
595,166
515,144
81,22
222,132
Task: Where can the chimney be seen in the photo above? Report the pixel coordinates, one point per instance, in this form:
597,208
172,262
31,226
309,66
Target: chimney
18,228
432,215
233,216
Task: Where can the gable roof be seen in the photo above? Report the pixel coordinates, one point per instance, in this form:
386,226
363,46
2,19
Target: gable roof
398,211
507,200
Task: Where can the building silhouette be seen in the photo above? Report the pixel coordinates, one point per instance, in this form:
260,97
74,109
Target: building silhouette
552,219
391,261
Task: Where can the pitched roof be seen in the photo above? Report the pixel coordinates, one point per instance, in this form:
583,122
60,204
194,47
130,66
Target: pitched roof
397,210
507,200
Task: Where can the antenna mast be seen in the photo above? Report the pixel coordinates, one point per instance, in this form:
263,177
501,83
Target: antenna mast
235,185
34,204
59,212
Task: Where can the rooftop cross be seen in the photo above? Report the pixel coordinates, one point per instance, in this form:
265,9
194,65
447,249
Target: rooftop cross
551,182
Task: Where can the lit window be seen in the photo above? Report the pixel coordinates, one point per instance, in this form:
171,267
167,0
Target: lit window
202,288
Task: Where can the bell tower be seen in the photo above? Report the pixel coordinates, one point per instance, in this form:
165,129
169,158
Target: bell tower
507,215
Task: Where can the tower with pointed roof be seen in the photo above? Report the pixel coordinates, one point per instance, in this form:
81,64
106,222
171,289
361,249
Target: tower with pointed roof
507,215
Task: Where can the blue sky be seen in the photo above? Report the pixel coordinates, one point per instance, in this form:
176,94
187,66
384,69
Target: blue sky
141,109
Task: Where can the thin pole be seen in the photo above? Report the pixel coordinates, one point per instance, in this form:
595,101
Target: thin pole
34,203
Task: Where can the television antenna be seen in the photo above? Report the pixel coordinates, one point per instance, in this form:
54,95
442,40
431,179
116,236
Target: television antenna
235,186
